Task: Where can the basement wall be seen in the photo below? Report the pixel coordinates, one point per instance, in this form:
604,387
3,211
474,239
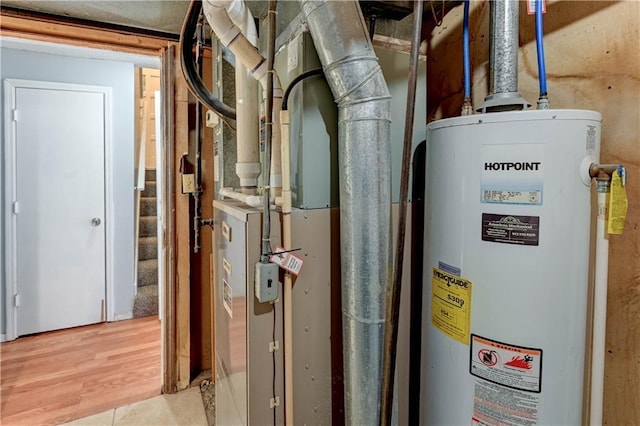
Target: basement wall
119,76
592,63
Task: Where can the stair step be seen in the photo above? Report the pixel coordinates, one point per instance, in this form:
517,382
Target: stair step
146,302
150,175
147,248
148,273
148,226
149,189
148,206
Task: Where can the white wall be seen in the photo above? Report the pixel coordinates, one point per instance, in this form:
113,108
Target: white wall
119,76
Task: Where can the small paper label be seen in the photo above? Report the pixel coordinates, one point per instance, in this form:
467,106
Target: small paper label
592,137
216,168
286,261
618,203
497,405
226,265
292,55
227,297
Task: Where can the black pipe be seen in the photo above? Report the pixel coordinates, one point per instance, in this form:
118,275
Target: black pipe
417,269
393,294
194,82
197,195
266,166
372,26
295,81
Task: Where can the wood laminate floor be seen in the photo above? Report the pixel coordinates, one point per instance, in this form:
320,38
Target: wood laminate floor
55,377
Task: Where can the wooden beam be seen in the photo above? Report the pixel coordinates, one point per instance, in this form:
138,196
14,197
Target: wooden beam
78,35
395,44
182,232
169,338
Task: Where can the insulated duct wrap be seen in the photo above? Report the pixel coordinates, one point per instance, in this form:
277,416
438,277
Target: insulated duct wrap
359,88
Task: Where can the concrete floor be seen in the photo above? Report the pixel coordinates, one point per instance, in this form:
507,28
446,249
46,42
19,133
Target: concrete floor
184,408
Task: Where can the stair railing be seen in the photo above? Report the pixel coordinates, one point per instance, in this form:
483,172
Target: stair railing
140,183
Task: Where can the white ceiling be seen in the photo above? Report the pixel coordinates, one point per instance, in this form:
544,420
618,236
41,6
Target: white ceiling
158,15
167,16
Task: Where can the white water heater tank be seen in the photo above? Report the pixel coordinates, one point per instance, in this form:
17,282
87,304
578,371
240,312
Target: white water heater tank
507,229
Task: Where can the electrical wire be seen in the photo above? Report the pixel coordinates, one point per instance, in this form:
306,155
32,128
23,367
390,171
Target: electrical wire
266,167
295,81
273,353
542,72
197,195
194,82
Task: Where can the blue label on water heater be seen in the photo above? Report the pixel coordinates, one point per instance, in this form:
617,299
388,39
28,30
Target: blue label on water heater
512,174
448,268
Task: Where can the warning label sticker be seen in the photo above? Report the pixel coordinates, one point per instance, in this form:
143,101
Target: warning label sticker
451,305
515,367
494,405
507,229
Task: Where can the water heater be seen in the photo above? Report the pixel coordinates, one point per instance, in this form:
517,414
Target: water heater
507,227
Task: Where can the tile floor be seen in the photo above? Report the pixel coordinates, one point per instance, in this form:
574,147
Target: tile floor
181,409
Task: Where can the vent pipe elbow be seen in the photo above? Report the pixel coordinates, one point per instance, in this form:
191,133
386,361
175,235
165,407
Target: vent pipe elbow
233,23
359,88
231,36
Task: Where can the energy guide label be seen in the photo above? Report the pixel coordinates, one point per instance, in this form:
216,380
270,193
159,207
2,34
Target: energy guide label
451,305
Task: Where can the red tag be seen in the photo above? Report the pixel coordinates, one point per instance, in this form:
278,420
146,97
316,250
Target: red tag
531,6
286,261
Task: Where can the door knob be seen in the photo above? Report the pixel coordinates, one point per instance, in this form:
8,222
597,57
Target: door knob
95,221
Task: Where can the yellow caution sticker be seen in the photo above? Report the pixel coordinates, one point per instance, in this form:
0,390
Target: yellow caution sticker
451,305
617,202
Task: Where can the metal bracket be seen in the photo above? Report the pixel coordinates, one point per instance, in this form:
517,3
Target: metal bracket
274,346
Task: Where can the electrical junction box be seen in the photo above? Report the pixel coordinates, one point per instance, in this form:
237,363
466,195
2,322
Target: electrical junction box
266,282
188,183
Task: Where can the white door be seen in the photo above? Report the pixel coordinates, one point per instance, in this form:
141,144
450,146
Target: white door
59,219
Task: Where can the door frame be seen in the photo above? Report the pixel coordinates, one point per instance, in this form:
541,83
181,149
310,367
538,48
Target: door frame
11,284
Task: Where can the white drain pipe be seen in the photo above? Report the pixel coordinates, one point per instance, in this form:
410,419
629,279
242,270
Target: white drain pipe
232,22
247,107
598,344
248,199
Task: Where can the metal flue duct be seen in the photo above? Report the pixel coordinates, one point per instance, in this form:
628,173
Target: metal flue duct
503,58
351,68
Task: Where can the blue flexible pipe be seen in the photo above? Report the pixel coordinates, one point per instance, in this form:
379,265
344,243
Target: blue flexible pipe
542,72
465,52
